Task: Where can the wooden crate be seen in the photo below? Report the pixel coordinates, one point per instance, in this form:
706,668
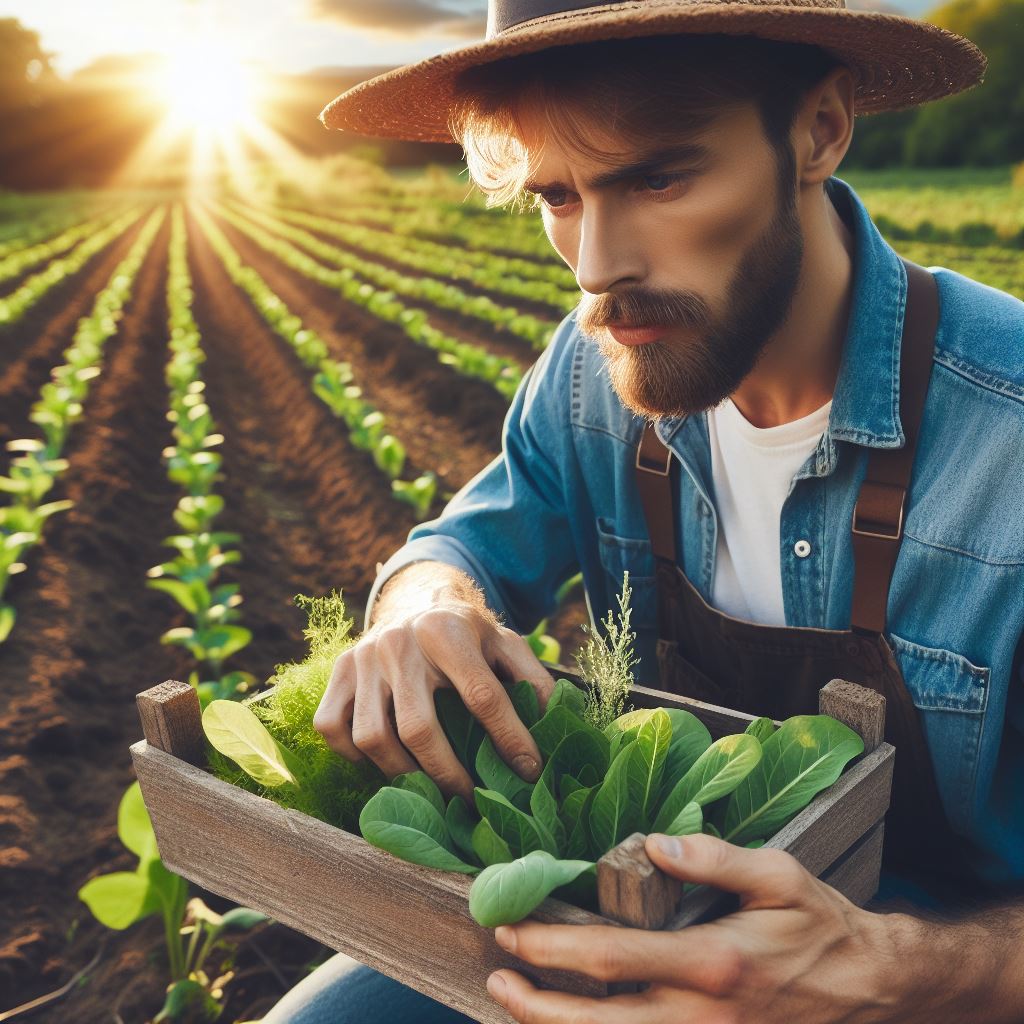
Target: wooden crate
413,923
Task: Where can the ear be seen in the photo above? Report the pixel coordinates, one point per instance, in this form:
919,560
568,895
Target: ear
823,128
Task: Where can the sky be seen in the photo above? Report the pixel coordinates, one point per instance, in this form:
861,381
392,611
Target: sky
286,35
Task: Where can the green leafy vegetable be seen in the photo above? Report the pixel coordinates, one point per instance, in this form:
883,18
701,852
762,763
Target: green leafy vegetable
506,893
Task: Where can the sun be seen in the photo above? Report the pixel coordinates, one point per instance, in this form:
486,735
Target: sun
205,87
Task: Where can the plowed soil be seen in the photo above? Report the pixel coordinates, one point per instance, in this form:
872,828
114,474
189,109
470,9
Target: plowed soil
314,514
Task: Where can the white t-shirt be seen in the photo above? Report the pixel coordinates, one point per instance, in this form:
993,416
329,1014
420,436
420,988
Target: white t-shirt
752,469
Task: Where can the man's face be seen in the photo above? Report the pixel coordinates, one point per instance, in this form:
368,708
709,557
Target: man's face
709,248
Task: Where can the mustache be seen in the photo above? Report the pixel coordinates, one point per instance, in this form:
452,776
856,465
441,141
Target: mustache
642,309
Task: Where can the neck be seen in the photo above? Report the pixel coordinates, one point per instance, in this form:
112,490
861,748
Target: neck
798,370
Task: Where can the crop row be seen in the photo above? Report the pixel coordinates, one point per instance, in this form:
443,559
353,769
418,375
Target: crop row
14,306
468,359
23,259
333,382
423,289
495,273
191,576
34,471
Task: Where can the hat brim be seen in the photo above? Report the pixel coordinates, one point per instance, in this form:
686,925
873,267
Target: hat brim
898,62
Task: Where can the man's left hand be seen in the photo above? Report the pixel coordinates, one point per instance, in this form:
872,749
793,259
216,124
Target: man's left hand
796,950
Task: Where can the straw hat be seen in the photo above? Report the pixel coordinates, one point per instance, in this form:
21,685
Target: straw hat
898,62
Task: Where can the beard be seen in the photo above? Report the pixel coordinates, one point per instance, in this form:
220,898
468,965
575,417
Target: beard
684,377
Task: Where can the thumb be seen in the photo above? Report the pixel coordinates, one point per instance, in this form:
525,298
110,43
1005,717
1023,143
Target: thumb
761,878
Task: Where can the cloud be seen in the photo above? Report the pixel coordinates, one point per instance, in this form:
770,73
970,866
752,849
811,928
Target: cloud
404,17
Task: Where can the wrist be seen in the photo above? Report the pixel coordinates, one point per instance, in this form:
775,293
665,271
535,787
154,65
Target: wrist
423,586
943,972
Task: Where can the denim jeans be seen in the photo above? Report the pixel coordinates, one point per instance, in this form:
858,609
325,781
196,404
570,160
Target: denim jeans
344,991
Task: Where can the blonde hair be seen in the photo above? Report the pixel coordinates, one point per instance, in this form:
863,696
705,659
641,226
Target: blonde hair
648,91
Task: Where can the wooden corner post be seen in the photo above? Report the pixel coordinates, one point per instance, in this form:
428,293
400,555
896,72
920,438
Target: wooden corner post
862,709
171,720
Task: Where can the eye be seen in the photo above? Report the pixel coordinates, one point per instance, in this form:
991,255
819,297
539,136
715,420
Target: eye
654,184
666,180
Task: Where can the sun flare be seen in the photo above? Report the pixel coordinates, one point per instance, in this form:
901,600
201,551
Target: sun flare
205,87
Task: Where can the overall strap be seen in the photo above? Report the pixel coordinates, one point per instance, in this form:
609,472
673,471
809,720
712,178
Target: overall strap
877,524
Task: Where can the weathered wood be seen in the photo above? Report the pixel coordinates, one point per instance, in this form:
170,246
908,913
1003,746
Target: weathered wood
171,719
857,872
409,922
859,707
631,890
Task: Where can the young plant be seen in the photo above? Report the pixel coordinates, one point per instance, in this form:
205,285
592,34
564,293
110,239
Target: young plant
191,929
606,662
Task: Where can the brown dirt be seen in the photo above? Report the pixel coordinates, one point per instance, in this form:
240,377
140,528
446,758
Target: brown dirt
314,514
30,348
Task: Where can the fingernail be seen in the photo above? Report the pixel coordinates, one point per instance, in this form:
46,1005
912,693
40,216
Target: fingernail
505,937
668,846
498,987
527,767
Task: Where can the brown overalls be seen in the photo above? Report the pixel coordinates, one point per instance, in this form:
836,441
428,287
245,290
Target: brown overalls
778,670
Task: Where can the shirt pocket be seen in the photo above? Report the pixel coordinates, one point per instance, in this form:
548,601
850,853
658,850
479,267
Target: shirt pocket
951,695
618,555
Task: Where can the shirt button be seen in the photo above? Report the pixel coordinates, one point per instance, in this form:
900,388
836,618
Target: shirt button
801,549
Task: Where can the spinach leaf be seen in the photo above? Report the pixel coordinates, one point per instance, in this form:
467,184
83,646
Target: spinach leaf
568,784
236,732
557,723
497,775
408,826
716,773
488,845
614,813
422,783
464,732
524,700
460,822
762,728
522,832
545,808
574,815
806,755
568,695
687,822
578,751
647,761
690,738
506,893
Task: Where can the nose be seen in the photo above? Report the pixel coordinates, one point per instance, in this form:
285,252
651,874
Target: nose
607,255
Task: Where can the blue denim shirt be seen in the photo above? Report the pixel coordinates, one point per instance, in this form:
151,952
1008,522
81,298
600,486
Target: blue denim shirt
561,498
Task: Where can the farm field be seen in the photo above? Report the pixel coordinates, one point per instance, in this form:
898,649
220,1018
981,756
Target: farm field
315,373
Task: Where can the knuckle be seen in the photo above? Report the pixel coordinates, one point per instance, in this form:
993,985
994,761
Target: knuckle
368,737
608,963
416,731
481,698
725,976
432,622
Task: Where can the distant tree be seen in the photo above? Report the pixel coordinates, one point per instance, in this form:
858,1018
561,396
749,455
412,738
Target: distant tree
983,126
26,74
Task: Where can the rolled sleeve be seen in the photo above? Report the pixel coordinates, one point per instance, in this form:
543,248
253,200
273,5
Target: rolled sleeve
509,527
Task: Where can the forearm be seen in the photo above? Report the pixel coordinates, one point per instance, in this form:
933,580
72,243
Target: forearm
423,585
968,970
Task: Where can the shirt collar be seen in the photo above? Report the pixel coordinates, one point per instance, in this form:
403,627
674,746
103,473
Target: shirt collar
865,403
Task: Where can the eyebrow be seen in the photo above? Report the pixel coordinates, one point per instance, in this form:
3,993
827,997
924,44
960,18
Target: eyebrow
690,151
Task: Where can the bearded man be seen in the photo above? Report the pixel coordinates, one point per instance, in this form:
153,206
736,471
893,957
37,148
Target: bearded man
804,449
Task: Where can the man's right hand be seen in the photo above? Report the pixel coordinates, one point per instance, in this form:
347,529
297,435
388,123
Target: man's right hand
379,702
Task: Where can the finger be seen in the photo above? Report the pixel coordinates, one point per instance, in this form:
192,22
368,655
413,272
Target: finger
513,656
333,717
764,878
421,734
486,698
372,731
693,958
531,1005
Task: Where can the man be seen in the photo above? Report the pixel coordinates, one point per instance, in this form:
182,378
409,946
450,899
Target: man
793,371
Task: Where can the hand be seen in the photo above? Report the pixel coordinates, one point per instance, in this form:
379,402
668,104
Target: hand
796,951
379,701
